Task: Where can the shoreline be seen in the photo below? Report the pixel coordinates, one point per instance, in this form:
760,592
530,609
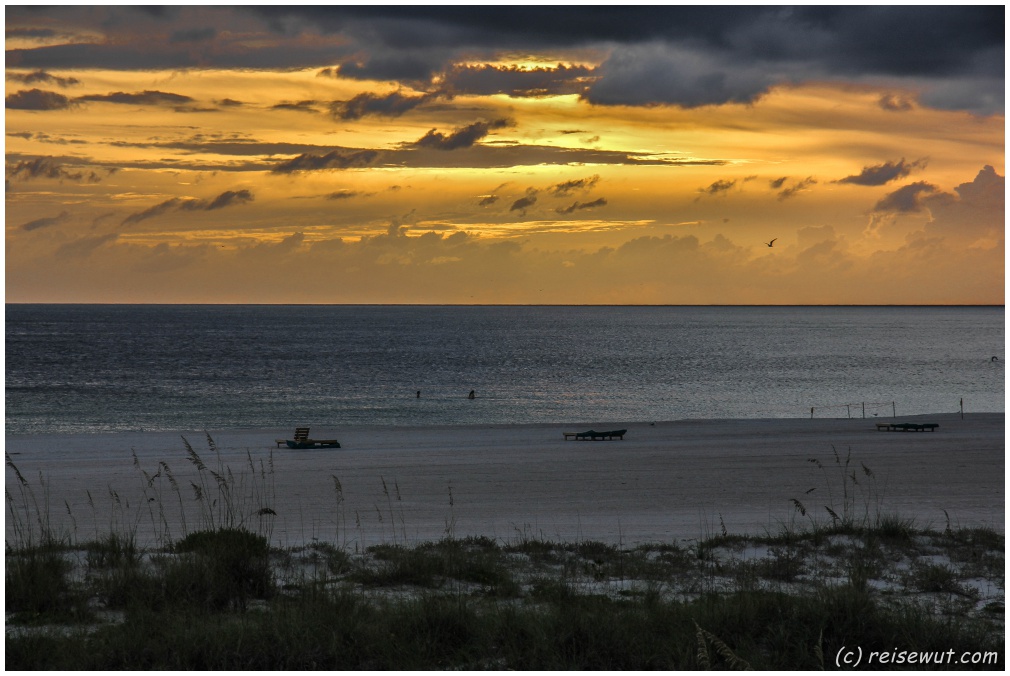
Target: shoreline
666,481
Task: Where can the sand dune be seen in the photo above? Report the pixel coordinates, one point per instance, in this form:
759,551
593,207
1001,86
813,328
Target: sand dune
665,481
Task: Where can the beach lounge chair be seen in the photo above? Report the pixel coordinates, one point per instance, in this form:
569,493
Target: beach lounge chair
301,436
907,427
302,440
594,435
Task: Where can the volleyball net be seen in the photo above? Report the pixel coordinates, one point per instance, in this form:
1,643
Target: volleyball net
862,409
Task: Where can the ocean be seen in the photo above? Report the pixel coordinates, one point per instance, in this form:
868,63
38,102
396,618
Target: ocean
107,368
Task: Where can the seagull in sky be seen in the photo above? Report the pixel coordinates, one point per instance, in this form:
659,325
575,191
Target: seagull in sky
769,244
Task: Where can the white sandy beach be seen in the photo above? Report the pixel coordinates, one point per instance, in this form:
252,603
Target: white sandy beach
664,482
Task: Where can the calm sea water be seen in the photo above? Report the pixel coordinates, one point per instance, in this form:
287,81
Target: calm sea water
100,368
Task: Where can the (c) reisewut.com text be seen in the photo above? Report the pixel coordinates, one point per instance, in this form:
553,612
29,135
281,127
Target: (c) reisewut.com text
853,657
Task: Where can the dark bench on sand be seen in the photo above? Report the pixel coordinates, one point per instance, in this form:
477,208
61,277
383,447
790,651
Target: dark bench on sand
594,435
906,427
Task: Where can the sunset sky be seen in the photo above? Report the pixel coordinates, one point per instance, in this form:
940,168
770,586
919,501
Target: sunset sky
558,154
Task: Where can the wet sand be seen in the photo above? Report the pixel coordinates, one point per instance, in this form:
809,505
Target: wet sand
667,481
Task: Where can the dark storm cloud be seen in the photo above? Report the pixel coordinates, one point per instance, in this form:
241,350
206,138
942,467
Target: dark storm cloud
225,199
391,105
37,99
578,206
408,68
464,137
144,98
30,33
193,35
40,223
337,159
518,82
568,187
907,199
681,55
798,188
37,76
883,173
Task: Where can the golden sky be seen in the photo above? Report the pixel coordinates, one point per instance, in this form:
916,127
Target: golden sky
557,155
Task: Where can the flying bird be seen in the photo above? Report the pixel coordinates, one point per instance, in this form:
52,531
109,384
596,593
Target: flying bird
769,244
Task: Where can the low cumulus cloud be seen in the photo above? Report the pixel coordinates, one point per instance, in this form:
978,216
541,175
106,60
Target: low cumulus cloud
977,211
974,214
390,105
718,187
83,247
43,137
796,189
578,206
225,199
42,77
523,203
909,199
48,222
337,159
577,185
347,194
298,106
905,200
463,137
144,98
37,99
896,102
47,167
883,173
487,200
778,182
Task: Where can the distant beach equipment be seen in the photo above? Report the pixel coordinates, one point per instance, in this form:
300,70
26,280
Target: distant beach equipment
302,441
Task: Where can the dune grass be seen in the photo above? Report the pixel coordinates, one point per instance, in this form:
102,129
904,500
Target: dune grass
217,596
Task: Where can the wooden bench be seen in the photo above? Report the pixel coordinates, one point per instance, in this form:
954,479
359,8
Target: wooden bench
594,435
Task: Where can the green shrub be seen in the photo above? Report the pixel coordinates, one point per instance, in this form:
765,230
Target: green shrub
37,584
220,568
